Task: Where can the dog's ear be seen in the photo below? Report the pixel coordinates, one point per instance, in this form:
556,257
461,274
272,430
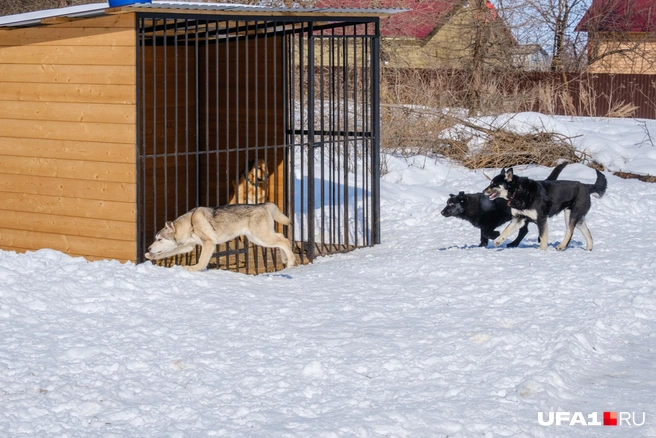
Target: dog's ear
251,164
170,226
509,174
461,193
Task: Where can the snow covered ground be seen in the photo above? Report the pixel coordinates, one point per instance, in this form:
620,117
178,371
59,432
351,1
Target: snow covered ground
425,335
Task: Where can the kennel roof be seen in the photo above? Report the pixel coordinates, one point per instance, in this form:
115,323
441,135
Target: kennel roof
97,9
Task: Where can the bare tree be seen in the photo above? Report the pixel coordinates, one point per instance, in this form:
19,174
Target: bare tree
579,33
552,23
479,51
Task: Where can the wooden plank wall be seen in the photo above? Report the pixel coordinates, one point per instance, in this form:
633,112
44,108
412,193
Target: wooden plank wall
67,138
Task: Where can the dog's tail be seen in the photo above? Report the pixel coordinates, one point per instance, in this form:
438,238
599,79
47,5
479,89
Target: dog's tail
555,173
276,214
599,187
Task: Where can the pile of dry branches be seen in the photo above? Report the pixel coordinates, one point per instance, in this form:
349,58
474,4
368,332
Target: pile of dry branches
502,148
417,130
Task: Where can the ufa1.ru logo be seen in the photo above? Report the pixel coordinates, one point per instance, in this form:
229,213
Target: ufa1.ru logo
593,419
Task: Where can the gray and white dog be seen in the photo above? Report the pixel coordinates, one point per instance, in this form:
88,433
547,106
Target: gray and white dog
210,226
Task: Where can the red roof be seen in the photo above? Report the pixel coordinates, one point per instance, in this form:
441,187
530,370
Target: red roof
619,16
423,16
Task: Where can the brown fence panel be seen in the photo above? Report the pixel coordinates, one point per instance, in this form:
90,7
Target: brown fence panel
596,94
588,94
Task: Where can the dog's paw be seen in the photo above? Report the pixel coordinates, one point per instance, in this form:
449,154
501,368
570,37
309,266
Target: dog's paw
561,247
497,242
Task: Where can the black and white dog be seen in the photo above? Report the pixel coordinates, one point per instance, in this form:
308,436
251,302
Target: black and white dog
487,214
537,201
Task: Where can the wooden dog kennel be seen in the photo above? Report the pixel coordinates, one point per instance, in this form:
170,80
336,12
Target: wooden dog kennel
114,120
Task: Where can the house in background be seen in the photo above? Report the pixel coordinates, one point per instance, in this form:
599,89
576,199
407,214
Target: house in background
530,57
621,36
438,33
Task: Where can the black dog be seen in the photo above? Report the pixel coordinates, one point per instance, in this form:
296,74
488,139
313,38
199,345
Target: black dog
486,214
536,201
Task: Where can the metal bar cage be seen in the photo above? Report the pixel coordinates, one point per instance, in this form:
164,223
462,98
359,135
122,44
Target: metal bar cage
254,109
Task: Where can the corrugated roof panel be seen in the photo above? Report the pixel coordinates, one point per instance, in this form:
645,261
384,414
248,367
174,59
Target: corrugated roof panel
619,16
98,9
232,8
69,11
